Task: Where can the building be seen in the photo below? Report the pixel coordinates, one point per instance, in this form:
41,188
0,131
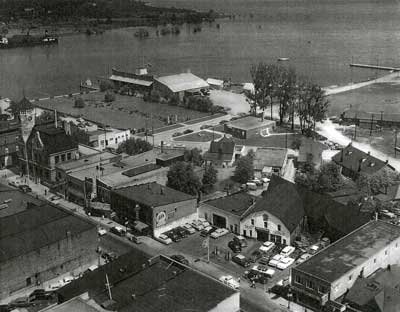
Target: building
277,217
355,162
332,272
249,127
160,207
227,212
47,146
215,83
311,150
156,284
268,161
39,241
10,141
179,85
80,303
369,119
221,153
93,135
140,81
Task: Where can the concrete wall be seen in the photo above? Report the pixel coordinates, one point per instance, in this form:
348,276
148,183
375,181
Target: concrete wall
48,262
230,304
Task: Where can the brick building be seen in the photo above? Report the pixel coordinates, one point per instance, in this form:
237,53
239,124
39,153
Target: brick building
10,140
39,241
160,207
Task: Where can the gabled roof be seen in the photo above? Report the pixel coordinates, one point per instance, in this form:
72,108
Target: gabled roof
356,160
237,203
277,201
222,150
182,82
54,139
269,157
135,81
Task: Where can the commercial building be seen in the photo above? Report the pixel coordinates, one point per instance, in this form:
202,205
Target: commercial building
249,127
221,153
138,283
355,162
332,272
268,161
227,212
39,241
178,85
140,81
160,207
278,216
10,140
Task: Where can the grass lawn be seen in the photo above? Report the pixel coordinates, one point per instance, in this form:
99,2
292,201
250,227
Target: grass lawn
124,112
201,136
269,141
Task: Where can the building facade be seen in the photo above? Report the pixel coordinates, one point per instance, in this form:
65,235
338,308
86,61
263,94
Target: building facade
249,127
268,161
10,141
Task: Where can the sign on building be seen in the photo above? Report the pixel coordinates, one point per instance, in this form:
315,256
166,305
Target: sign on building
27,123
161,218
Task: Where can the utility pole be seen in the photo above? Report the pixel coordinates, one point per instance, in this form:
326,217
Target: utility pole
152,128
395,142
372,121
108,287
355,128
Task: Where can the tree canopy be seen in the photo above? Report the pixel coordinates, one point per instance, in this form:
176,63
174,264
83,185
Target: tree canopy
244,170
194,156
181,177
134,146
209,178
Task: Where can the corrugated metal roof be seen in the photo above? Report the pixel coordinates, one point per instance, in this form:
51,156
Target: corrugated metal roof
131,80
182,82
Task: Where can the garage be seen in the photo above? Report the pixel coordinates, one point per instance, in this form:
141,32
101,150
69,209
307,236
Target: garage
219,221
262,234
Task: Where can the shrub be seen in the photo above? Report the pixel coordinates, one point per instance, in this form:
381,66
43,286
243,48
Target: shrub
187,131
106,85
79,103
109,97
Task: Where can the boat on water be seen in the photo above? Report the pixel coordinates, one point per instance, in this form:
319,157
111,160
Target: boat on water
283,59
17,41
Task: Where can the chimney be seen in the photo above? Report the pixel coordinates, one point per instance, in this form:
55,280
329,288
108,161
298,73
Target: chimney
369,153
386,162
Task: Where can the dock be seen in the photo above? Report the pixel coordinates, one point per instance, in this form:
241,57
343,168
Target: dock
375,67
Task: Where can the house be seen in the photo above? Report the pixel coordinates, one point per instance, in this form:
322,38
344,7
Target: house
215,83
140,283
140,81
227,212
268,161
332,272
355,162
276,217
38,241
160,207
311,150
249,127
10,141
221,152
178,85
47,146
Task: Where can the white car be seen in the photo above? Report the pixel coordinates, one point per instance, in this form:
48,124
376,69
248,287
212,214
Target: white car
198,225
162,238
219,232
275,260
67,280
54,286
265,180
303,258
229,281
263,270
314,249
206,224
189,228
267,246
101,231
285,263
287,251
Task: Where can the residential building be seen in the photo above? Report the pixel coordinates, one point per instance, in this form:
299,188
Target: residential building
179,85
156,284
160,207
271,160
47,146
332,272
39,241
276,217
355,162
139,81
249,127
221,153
227,212
10,141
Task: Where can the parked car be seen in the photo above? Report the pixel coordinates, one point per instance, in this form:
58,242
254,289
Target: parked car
267,246
255,256
229,281
189,228
162,238
285,263
198,225
313,249
264,270
134,238
265,180
275,260
173,236
206,223
235,247
67,279
207,231
287,251
20,302
180,258
303,258
241,260
256,182
180,231
117,230
264,260
101,231
13,183
251,186
241,240
219,232
24,188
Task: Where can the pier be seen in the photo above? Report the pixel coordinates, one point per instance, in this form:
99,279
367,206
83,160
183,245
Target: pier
375,67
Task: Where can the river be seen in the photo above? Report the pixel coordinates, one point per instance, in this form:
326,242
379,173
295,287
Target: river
319,36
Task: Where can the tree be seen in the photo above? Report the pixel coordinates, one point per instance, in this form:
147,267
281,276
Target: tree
244,170
109,97
44,117
134,146
374,184
79,102
17,107
181,177
209,178
286,92
106,85
194,156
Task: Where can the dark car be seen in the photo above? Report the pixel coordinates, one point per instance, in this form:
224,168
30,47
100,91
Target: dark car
173,236
24,188
21,302
180,258
207,231
263,260
255,256
235,247
241,260
182,232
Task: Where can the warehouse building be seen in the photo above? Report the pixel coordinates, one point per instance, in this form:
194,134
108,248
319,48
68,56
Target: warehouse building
249,127
332,272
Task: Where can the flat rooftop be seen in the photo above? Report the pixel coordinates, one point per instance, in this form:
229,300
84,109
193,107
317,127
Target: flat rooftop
16,201
87,160
236,204
350,251
250,122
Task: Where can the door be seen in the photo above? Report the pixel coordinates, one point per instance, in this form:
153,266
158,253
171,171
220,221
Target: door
219,221
262,235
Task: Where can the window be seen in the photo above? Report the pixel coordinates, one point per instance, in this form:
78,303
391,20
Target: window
279,227
310,284
63,157
102,142
252,221
57,159
265,220
68,156
206,215
298,280
250,233
375,260
322,290
350,277
386,252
